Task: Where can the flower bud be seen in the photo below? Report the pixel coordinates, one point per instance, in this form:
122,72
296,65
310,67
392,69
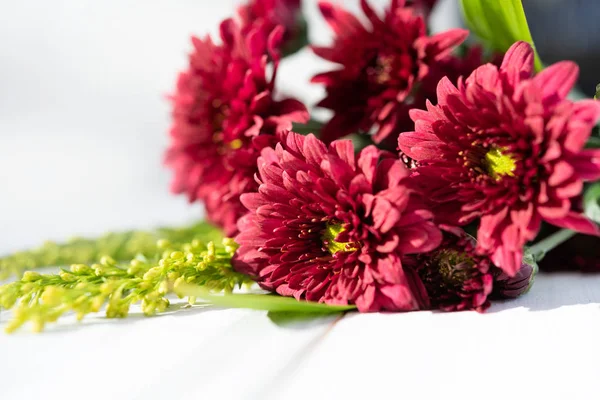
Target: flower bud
152,273
52,295
80,269
108,261
67,276
163,288
97,303
31,276
506,287
162,305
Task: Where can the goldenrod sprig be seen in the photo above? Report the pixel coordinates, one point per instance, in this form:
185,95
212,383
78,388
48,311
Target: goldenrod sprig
120,246
43,298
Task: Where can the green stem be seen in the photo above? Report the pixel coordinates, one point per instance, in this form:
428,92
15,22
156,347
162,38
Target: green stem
542,247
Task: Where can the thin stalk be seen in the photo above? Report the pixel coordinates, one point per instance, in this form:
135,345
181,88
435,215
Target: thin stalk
542,247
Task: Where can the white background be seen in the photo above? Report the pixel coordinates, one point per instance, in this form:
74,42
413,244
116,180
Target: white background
83,124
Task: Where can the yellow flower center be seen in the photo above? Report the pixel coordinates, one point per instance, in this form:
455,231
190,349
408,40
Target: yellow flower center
236,144
332,230
499,164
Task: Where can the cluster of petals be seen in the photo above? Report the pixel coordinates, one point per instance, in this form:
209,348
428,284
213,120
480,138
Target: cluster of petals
224,113
506,147
327,226
266,15
384,69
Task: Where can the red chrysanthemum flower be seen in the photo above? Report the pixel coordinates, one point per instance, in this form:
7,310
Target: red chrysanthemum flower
326,227
453,277
508,148
384,70
224,114
266,15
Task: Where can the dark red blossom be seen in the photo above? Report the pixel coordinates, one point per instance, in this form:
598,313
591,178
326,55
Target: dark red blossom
224,114
327,227
508,148
384,69
266,15
453,277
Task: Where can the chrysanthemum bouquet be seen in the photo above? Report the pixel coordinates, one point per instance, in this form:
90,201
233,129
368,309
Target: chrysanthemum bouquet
447,170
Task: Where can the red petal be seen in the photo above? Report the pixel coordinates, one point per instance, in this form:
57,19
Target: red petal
576,222
518,62
557,80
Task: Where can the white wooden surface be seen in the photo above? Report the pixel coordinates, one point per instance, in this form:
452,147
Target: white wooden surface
82,128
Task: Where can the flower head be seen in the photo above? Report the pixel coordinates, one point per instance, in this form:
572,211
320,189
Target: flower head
453,277
384,71
224,113
327,227
266,15
506,147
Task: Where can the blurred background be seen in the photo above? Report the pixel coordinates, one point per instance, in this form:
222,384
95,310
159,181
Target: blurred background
83,115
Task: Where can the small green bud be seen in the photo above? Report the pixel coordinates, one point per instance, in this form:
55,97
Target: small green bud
152,273
31,276
173,275
52,295
108,261
81,300
67,276
80,269
148,307
162,305
202,266
176,255
99,270
107,288
230,245
7,301
136,263
28,287
97,303
163,288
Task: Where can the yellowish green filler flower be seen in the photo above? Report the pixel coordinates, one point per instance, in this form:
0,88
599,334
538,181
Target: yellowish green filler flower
121,246
43,298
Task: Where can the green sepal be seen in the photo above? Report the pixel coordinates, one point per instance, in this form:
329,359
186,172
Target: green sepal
591,202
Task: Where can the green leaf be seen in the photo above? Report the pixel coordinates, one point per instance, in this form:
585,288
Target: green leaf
287,318
591,202
499,23
267,302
